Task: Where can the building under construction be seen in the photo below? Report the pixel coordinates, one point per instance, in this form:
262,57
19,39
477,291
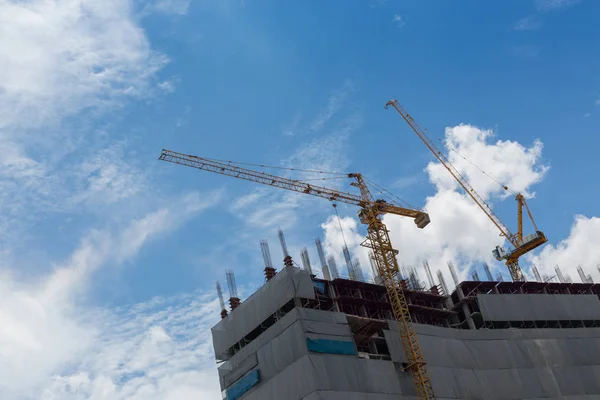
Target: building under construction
303,337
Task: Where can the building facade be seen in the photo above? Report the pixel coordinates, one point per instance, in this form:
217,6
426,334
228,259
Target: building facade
299,337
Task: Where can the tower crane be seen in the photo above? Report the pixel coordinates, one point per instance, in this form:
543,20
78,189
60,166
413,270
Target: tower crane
378,240
521,245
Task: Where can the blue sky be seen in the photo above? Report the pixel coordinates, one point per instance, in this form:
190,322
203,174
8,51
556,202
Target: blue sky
96,231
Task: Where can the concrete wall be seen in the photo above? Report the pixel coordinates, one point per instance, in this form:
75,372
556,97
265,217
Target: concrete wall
539,307
280,354
509,364
286,285
497,364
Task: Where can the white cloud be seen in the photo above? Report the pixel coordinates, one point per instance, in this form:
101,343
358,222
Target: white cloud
324,153
162,221
168,86
65,63
334,240
533,23
161,349
46,329
579,248
459,231
508,162
108,177
334,103
399,20
549,5
59,58
36,336
249,199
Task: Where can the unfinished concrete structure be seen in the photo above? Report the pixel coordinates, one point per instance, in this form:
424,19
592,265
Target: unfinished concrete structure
300,337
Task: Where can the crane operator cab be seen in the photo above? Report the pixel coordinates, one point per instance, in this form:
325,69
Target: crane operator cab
529,243
499,253
363,216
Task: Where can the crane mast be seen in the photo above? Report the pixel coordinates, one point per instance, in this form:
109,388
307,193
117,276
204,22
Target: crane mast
377,240
521,245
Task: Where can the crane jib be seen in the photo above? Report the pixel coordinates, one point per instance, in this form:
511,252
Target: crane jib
421,218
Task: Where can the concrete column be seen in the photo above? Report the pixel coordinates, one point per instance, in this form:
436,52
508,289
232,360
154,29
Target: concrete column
467,312
465,308
333,294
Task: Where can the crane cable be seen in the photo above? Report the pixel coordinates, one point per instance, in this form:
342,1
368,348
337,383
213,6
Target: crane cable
390,195
340,175
340,224
320,179
271,166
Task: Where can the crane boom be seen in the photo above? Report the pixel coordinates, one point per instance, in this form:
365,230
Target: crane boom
453,171
521,245
377,239
289,184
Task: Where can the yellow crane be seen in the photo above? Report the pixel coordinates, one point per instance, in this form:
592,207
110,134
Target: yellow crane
378,240
521,245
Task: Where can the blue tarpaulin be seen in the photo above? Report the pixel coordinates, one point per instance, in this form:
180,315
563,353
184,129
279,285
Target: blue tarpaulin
330,346
320,286
242,385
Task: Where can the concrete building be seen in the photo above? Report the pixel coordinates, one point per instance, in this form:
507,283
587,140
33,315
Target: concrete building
299,337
